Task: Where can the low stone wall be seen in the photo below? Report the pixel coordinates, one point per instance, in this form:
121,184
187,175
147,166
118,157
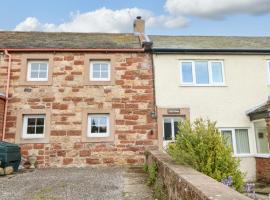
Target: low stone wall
183,182
263,169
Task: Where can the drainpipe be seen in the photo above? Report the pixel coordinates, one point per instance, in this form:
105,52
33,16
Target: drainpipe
7,97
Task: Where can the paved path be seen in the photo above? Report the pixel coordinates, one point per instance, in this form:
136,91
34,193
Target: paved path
112,183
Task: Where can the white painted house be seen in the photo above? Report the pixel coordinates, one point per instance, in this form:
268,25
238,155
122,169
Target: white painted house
216,78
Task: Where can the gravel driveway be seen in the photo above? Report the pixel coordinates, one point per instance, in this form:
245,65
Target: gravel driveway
112,183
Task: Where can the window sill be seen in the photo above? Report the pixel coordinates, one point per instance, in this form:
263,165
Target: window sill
34,83
243,155
99,83
33,140
99,139
262,156
186,85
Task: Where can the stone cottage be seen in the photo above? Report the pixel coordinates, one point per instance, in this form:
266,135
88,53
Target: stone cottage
78,99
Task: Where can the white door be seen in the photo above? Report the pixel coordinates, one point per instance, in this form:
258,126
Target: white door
170,129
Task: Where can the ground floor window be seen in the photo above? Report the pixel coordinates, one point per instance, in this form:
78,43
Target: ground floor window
238,139
98,125
261,135
170,127
33,126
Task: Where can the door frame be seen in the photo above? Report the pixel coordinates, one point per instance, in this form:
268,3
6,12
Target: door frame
184,112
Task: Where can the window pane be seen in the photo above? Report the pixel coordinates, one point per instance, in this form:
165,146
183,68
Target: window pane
227,137
167,129
261,137
31,121
202,75
94,129
104,67
242,143
104,74
103,129
96,74
103,121
34,66
42,74
39,129
217,72
94,121
176,124
187,72
43,66
34,74
40,121
96,67
30,130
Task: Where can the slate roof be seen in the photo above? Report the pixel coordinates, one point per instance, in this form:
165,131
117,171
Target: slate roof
210,42
35,40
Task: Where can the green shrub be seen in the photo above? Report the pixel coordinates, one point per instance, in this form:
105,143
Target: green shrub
152,172
201,146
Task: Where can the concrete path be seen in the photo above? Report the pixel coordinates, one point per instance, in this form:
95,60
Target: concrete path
112,183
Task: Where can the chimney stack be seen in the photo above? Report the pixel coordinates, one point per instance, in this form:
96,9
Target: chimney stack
139,25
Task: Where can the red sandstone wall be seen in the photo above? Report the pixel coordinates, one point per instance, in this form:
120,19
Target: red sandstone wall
2,109
130,97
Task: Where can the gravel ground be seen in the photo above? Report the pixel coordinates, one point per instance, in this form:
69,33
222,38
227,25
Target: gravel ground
74,183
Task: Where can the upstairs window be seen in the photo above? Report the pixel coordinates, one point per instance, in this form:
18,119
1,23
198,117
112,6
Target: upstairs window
37,70
100,71
33,126
202,73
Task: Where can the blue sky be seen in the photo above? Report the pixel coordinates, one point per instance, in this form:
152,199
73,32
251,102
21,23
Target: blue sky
170,17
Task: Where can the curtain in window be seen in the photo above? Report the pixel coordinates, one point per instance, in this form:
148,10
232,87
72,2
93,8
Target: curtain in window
242,143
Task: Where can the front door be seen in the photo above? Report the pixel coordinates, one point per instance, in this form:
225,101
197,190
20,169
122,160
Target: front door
170,129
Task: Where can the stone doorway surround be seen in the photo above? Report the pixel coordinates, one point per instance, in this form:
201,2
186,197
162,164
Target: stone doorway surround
169,112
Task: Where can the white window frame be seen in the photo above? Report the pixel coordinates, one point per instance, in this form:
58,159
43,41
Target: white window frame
234,141
89,120
25,125
268,71
100,62
193,83
172,126
29,67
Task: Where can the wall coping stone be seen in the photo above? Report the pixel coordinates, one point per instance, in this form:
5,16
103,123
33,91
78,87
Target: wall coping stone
189,183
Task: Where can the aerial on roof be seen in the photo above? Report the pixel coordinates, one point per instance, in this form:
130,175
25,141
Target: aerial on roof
210,42
45,40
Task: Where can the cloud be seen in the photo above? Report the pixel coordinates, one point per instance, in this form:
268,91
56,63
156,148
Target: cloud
103,20
216,8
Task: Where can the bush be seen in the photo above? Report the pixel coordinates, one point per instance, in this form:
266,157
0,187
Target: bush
201,146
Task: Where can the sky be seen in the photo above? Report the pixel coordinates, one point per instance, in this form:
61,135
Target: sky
163,17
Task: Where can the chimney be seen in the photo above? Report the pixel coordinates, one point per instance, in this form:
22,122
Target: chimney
139,25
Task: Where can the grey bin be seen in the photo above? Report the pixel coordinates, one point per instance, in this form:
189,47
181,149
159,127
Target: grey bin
10,155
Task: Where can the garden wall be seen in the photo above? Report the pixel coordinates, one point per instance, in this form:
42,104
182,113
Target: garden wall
263,169
183,182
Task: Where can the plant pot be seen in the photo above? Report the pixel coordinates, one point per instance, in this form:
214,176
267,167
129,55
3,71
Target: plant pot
32,160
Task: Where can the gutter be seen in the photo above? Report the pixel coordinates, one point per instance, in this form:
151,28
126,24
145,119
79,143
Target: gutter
206,51
71,50
7,96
